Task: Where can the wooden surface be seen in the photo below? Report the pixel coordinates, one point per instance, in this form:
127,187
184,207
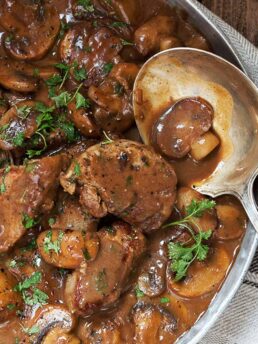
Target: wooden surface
241,14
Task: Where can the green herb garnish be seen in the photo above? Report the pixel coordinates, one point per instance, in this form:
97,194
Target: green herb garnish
107,68
50,245
2,185
183,256
138,292
87,5
28,222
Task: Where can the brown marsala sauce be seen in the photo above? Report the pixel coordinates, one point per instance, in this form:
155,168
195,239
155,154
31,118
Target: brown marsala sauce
173,304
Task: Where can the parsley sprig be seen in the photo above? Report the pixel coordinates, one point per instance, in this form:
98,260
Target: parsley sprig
183,256
30,294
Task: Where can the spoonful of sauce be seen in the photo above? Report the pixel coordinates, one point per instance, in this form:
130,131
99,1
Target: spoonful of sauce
193,104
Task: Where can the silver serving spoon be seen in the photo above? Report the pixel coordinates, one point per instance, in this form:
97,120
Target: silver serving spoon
184,72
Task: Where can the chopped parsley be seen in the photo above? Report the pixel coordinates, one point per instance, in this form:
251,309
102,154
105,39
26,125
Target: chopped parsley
125,43
86,254
81,101
138,292
80,74
23,111
30,294
77,169
32,330
28,222
18,140
2,185
183,256
107,68
118,89
50,245
62,99
87,5
118,24
164,300
10,306
51,221
107,140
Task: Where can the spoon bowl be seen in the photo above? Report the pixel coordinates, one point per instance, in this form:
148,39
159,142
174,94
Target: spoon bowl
183,72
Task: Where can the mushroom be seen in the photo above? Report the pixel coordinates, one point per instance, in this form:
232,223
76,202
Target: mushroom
149,38
153,324
15,77
47,318
208,220
72,248
170,114
203,277
32,28
231,218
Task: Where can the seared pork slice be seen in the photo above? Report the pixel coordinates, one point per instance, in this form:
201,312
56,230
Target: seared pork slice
25,193
32,27
126,179
99,283
70,215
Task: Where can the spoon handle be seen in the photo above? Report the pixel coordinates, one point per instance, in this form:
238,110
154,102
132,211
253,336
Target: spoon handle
249,203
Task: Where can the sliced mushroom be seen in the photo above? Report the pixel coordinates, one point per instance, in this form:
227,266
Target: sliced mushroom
152,281
16,77
47,318
98,284
32,28
180,126
95,49
83,121
208,221
58,336
149,37
203,277
232,219
70,215
72,248
153,324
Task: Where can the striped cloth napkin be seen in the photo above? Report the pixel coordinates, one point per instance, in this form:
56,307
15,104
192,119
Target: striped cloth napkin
239,323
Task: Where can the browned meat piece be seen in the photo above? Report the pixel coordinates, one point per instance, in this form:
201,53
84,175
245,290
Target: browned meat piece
70,215
26,192
153,324
67,249
114,111
149,36
126,179
98,284
8,296
181,125
208,221
32,27
15,77
96,49
83,121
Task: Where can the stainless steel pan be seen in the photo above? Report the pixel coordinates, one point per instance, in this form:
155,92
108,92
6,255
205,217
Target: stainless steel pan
221,46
